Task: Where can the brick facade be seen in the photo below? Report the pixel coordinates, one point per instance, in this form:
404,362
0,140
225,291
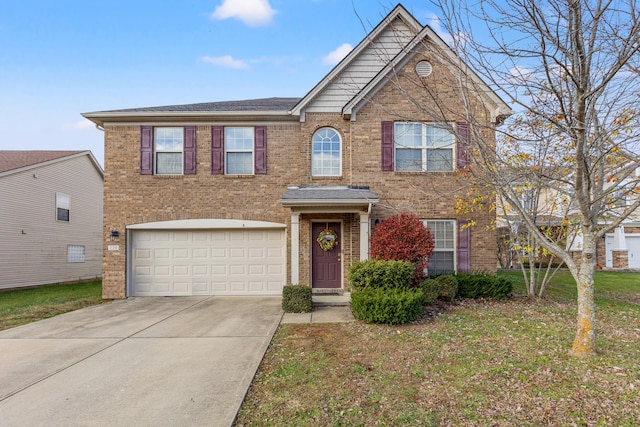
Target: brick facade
132,198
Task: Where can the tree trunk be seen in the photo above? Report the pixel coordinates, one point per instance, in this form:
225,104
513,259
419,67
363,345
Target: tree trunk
584,344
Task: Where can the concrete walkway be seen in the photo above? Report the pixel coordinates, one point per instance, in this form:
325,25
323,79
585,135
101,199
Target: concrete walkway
175,361
326,309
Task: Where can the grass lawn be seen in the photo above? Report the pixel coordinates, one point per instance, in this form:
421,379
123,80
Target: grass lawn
474,363
22,306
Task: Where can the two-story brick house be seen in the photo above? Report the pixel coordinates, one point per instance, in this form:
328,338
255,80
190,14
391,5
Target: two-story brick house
229,198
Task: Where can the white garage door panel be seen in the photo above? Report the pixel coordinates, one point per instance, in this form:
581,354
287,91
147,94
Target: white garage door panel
213,262
633,244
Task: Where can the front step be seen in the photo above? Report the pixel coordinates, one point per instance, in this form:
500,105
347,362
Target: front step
329,300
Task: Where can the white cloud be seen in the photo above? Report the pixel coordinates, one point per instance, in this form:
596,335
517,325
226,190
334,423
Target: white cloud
253,13
434,22
226,62
336,56
79,125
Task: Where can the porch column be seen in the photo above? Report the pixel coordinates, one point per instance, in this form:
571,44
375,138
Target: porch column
295,248
364,236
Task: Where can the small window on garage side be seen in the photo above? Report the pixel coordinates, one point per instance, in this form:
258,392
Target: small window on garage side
63,203
75,253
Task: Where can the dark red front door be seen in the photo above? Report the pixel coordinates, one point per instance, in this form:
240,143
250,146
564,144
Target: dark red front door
326,266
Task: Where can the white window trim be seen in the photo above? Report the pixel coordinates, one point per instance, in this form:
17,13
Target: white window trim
252,150
156,151
455,239
340,157
424,148
58,206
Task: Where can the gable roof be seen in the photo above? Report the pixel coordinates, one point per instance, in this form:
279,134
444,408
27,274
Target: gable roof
500,108
405,52
387,24
13,161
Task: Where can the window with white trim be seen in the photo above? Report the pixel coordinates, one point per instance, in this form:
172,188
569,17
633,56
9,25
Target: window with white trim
75,253
63,204
442,260
168,149
423,147
238,150
326,157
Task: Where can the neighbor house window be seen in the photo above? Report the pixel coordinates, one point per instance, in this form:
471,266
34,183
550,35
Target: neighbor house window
238,150
326,157
168,150
75,253
442,259
63,203
423,147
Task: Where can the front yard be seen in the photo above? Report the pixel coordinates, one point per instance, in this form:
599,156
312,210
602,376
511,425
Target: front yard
471,363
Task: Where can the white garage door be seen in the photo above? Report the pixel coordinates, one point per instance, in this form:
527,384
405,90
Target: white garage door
633,244
208,262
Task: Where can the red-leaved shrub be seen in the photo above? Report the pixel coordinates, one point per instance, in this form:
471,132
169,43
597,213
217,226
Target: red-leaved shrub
403,237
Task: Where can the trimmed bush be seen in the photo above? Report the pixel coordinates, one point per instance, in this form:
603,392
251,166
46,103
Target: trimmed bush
389,306
297,299
483,285
431,291
448,287
379,274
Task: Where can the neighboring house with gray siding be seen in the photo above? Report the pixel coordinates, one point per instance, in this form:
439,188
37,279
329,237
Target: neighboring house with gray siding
50,217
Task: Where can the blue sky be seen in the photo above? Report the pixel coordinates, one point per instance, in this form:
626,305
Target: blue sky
60,58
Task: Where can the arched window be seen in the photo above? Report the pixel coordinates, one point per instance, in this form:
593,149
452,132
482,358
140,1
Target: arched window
326,158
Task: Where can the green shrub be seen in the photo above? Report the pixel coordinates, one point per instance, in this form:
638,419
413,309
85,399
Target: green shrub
448,287
390,306
374,274
297,299
431,291
483,285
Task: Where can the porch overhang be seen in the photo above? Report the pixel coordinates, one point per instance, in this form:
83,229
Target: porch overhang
327,199
334,199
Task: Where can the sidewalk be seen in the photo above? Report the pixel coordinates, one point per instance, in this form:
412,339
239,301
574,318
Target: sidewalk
326,309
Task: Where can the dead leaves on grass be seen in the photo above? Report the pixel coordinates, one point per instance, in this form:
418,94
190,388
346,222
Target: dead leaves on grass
473,363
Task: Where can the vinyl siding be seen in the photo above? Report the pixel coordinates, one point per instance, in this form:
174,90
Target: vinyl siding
33,247
363,68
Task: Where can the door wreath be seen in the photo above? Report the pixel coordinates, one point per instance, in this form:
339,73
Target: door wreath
327,239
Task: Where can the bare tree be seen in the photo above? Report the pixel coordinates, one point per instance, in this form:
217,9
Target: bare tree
570,70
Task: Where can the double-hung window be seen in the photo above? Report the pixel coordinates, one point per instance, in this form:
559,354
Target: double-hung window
326,157
168,150
443,257
423,147
238,150
63,204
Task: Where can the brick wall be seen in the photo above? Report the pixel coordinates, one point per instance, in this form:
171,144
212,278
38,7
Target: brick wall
131,198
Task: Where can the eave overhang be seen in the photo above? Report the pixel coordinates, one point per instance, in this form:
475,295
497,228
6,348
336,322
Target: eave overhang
102,118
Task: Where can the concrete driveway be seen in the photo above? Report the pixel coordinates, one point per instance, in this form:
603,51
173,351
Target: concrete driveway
152,361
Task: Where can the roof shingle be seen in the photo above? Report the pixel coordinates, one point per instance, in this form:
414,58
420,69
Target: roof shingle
15,159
